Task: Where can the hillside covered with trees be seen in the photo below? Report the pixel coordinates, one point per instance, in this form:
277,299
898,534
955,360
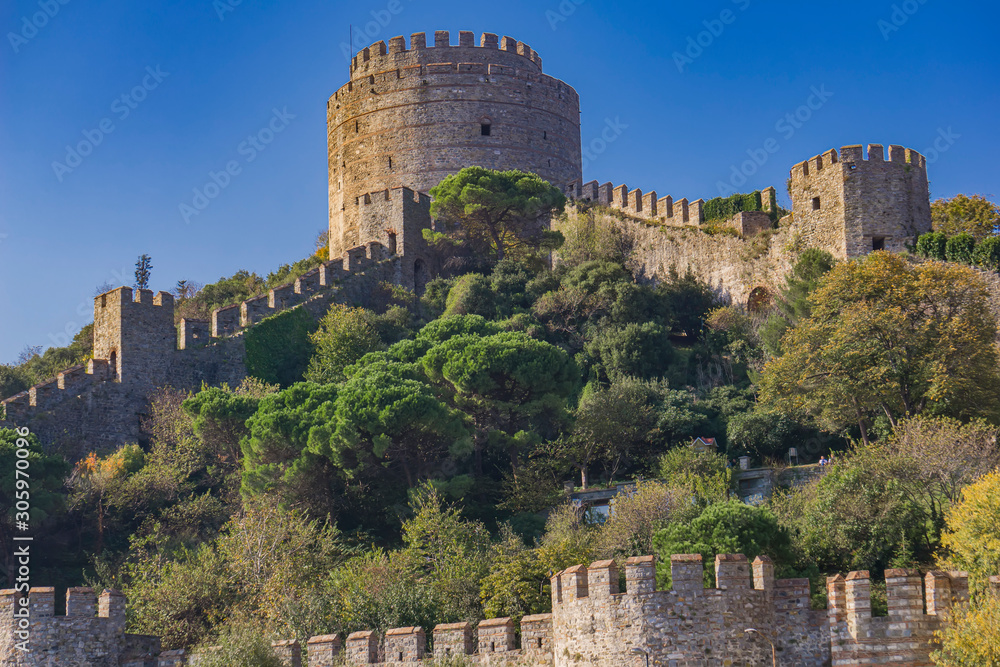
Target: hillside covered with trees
405,464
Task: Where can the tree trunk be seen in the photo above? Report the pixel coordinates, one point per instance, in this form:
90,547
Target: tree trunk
861,423
583,477
100,527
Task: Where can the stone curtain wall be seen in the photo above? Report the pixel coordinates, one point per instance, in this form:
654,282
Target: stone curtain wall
841,203
902,638
733,266
96,408
412,116
592,623
492,642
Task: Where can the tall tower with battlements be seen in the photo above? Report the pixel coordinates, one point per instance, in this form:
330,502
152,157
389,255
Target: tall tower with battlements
852,205
409,117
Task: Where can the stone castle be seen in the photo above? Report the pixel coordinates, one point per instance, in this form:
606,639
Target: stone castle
409,117
592,623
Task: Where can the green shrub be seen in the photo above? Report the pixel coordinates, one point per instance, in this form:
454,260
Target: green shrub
344,336
723,528
472,294
960,248
278,349
635,350
987,254
932,245
723,208
239,647
13,380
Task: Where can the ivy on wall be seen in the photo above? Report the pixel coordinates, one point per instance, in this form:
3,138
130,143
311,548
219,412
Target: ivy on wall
724,208
278,348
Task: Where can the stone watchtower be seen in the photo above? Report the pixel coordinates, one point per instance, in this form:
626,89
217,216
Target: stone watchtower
852,206
409,117
135,333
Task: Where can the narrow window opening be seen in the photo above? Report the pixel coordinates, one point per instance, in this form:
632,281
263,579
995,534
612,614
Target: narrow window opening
400,656
357,126
104,301
390,163
545,135
486,129
493,647
371,79
816,204
878,243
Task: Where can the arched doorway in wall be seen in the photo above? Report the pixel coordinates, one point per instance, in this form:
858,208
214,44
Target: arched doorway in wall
419,276
113,365
760,299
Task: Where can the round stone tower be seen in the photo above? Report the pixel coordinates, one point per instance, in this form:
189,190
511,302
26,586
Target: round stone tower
409,117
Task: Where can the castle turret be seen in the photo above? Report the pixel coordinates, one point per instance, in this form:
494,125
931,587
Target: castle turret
409,117
134,332
852,205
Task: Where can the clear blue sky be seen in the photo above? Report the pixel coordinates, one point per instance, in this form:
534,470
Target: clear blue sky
217,80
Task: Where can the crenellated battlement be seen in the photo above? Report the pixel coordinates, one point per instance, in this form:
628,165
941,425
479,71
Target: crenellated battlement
636,203
856,157
138,349
907,631
379,56
856,201
92,631
592,621
493,641
687,622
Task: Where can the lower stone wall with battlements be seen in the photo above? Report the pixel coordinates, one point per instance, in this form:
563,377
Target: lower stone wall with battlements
90,634
592,622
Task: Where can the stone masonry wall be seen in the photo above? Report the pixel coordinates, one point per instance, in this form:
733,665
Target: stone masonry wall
411,116
842,203
592,623
89,635
852,204
595,624
138,349
732,266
